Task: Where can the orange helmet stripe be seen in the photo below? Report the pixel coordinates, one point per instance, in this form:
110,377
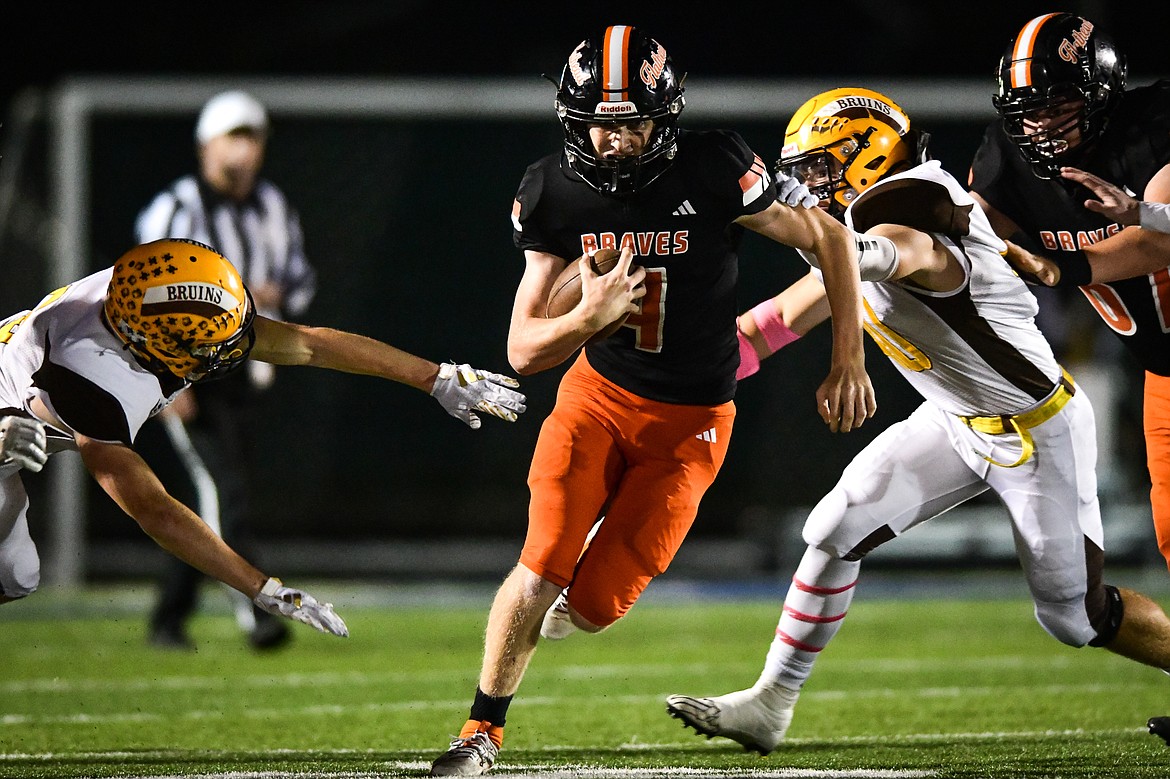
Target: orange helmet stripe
1021,68
615,56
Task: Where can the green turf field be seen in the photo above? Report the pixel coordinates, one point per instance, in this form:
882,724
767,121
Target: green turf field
910,688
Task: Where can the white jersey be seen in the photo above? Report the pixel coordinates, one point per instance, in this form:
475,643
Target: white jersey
974,351
62,353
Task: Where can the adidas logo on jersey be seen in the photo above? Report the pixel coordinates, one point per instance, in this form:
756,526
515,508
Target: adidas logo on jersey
707,435
686,209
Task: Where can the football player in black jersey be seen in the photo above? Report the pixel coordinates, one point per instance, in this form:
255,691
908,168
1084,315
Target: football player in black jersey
1062,102
643,417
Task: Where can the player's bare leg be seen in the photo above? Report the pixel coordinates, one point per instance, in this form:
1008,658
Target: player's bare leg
513,631
1144,634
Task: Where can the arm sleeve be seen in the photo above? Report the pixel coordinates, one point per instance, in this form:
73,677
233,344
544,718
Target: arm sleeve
737,174
527,232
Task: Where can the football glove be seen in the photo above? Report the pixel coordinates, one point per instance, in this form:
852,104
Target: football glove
791,192
464,390
283,601
22,440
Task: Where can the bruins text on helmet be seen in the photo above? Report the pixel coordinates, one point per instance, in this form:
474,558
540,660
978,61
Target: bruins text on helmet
181,309
1059,81
622,77
844,140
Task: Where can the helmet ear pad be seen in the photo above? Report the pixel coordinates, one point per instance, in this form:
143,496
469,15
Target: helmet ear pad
181,309
621,76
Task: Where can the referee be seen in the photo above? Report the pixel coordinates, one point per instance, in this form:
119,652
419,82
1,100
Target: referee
204,433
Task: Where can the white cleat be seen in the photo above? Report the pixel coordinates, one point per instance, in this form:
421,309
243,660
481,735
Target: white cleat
757,717
557,623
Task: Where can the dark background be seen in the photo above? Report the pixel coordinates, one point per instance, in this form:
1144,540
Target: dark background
779,39
407,224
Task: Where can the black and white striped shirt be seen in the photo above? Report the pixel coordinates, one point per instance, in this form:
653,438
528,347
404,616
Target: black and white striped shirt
260,236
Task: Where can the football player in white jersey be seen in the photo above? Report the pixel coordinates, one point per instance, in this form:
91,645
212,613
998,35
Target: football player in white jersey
96,358
999,414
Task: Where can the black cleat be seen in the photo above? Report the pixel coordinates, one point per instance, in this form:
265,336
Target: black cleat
171,637
1160,727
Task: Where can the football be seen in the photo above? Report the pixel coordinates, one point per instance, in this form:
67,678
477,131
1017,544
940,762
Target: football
566,291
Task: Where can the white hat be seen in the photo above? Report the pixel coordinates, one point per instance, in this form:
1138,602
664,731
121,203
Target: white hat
229,111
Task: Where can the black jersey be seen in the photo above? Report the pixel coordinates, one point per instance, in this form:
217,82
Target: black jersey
681,347
1135,146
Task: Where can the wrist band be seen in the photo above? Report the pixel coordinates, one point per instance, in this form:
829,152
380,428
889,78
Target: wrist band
749,361
1154,216
1074,269
776,333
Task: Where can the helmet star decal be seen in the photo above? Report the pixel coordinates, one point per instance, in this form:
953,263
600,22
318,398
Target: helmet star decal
192,320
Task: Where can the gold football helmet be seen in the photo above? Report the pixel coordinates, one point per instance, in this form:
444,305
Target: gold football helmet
181,308
843,141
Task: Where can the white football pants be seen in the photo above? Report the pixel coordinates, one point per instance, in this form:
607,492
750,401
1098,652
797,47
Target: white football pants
20,567
920,468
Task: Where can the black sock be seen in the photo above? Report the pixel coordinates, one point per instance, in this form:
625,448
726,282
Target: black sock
487,708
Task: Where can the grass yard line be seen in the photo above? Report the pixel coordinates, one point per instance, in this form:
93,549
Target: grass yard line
514,771
908,739
317,680
904,739
579,772
414,765
331,710
571,771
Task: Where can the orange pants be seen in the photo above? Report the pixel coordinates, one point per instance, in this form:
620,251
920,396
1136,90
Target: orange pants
1156,421
642,463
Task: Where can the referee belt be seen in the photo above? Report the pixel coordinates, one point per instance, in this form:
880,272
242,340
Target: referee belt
1020,424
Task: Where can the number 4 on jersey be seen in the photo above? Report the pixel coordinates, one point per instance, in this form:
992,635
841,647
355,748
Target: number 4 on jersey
647,322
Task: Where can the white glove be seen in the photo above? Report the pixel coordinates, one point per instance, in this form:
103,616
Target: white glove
22,440
791,192
463,390
283,601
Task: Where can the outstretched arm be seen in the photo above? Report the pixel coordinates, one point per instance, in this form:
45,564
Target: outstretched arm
846,398
780,320
126,478
1130,253
1123,208
460,389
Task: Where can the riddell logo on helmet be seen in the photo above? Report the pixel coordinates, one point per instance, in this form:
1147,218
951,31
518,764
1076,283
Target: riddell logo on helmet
615,109
1069,51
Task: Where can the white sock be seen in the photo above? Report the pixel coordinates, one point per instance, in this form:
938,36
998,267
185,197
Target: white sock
817,602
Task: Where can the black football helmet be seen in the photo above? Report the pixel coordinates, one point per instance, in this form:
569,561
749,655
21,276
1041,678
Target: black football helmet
1056,59
623,75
